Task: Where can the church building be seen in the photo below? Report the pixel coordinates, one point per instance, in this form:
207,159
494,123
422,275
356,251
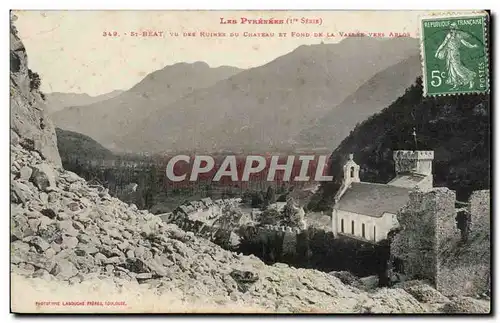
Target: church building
367,211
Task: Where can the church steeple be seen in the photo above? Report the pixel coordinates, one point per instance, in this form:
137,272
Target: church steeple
351,171
351,175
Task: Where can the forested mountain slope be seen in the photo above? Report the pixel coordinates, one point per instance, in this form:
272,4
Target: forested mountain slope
457,128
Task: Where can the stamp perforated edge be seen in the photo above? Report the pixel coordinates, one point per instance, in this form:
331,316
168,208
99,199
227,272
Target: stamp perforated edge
486,48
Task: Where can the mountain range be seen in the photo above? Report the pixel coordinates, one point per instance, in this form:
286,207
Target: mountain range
56,101
371,97
291,101
108,121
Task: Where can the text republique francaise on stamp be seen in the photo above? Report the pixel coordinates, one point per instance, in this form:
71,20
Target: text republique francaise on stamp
455,54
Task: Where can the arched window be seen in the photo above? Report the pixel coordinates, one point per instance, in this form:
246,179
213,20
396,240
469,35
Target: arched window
352,227
352,171
363,230
342,225
374,233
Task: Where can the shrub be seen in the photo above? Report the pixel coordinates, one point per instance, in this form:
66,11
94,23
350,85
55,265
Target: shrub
35,81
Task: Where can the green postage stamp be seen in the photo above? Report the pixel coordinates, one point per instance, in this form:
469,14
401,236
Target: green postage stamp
455,54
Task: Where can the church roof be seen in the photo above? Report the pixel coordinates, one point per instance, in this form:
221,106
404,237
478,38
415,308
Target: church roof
373,199
409,180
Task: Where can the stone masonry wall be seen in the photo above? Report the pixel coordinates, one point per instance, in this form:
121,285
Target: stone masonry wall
479,208
426,222
464,267
430,247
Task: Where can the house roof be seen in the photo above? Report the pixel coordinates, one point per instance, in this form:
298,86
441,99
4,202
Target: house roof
277,205
207,201
94,181
373,199
184,209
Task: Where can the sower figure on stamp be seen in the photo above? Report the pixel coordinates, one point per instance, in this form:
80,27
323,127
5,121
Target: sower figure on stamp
458,74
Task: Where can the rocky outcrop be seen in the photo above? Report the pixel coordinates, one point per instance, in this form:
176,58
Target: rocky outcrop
29,125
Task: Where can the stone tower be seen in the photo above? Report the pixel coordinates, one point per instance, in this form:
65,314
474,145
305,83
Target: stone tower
409,161
417,163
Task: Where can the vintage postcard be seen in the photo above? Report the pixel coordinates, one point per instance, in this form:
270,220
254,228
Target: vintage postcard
250,162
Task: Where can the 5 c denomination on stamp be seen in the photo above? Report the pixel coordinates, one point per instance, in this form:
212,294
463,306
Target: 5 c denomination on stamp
455,54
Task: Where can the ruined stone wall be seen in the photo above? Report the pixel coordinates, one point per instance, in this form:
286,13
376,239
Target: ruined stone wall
312,248
426,222
430,246
479,208
464,266
222,237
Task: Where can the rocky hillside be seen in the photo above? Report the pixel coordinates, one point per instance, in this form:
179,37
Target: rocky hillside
65,232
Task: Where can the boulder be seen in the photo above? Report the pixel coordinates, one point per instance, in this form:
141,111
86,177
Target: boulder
71,177
387,300
43,177
423,292
25,173
69,242
460,305
64,270
23,269
38,242
347,278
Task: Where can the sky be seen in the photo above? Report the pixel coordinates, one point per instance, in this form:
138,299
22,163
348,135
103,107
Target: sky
69,51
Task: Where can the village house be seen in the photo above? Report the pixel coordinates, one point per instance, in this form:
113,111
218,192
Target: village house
205,209
278,206
367,211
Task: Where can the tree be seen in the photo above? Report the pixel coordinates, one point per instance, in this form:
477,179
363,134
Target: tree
229,218
291,214
270,216
148,198
139,199
109,176
257,199
154,181
282,198
34,80
209,190
270,195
